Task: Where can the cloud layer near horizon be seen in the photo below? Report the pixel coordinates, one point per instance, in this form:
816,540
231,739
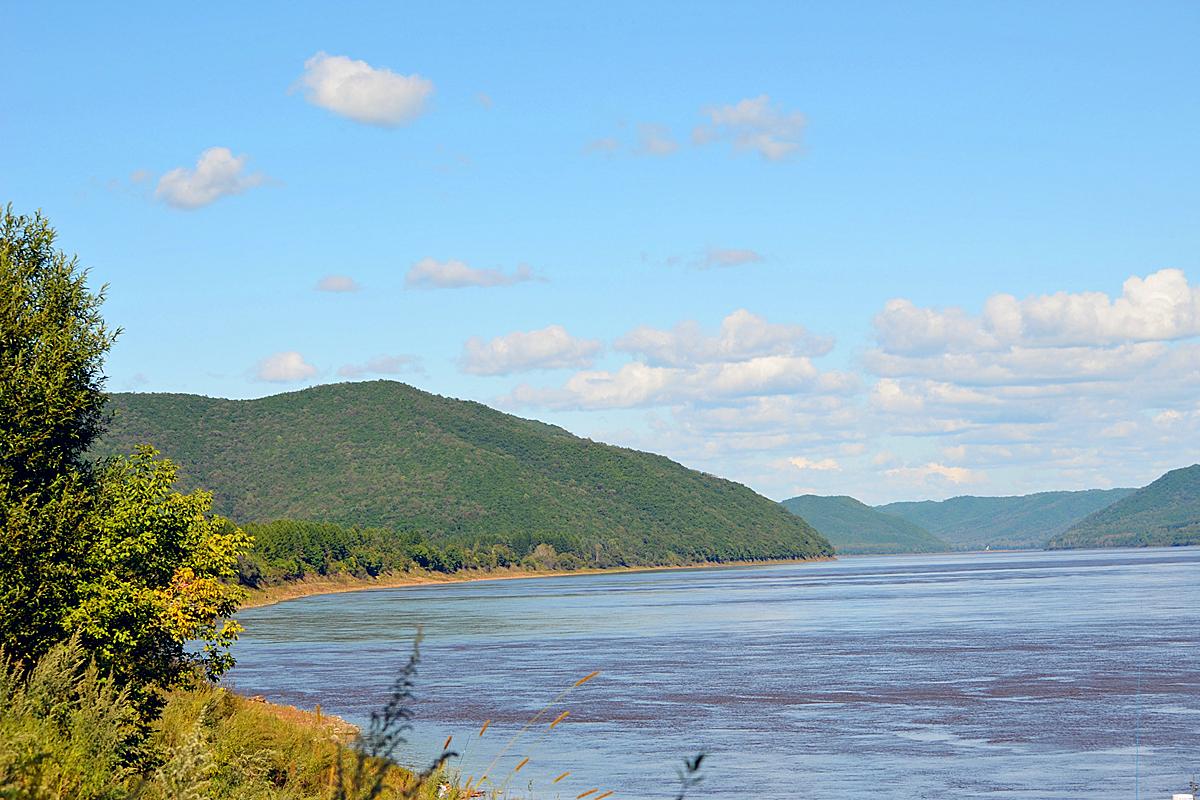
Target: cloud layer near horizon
1060,383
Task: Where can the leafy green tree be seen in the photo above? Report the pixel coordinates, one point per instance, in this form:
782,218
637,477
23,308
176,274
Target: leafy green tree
159,574
52,346
107,550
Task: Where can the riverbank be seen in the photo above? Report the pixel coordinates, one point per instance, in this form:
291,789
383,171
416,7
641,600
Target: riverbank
339,584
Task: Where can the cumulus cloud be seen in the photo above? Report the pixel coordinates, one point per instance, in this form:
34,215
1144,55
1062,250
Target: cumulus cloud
358,91
285,367
381,365
742,335
823,465
655,140
1056,391
1157,308
637,384
748,358
933,470
429,273
337,283
1097,343
548,348
754,124
1064,390
218,173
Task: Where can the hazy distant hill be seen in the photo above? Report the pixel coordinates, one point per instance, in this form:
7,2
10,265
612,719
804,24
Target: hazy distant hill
385,454
1167,512
1032,520
855,527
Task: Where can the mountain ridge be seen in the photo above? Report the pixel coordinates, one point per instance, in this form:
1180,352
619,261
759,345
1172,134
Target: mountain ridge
851,526
970,522
385,454
1165,512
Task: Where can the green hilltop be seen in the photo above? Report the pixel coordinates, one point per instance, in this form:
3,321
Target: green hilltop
854,527
1166,512
1026,521
386,455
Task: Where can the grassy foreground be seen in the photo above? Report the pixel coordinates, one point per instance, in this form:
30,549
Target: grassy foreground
68,734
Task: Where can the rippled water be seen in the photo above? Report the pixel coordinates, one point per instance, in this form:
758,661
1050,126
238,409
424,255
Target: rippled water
1015,675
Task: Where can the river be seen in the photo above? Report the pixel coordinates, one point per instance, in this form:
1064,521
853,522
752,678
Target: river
1008,675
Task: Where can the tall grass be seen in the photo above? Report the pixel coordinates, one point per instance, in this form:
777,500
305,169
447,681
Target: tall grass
67,733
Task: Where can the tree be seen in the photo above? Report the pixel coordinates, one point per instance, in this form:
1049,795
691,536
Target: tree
52,346
157,575
107,551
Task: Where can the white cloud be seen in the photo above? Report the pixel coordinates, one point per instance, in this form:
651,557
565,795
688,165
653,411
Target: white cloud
754,124
742,335
337,283
637,384
729,257
429,273
548,348
1160,307
749,361
933,470
824,465
285,367
655,140
218,173
1062,390
905,328
1168,417
382,365
913,397
355,89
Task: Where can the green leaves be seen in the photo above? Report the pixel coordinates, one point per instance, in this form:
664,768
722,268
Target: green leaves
156,576
52,346
107,552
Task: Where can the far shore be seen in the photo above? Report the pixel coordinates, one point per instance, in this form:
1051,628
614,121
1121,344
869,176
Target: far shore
339,584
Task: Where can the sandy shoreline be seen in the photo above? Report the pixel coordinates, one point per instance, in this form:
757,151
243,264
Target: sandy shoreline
271,595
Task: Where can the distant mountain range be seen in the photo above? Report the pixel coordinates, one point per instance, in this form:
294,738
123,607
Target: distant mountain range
388,455
1025,521
385,454
1164,513
855,527
1167,512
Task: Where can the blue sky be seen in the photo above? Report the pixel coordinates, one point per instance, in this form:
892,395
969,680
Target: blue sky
887,250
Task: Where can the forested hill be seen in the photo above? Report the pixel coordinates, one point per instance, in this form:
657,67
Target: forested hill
1032,520
1167,512
385,454
855,527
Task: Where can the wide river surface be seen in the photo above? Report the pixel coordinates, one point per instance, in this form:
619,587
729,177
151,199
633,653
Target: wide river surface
1011,675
